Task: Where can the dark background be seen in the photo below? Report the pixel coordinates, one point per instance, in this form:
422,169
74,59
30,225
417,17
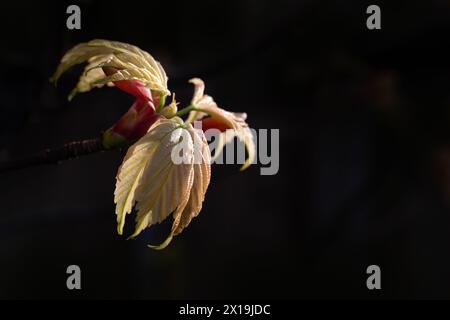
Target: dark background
364,151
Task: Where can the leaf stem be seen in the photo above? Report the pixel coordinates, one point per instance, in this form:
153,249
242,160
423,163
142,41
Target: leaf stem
189,108
162,103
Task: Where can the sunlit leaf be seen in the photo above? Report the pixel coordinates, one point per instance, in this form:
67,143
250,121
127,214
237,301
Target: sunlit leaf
231,120
156,185
131,63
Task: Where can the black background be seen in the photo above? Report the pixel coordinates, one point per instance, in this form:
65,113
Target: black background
364,156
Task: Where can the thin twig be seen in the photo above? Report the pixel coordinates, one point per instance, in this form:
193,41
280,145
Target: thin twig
71,150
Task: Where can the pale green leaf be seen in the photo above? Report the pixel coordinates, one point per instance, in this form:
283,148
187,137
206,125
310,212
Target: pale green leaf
132,63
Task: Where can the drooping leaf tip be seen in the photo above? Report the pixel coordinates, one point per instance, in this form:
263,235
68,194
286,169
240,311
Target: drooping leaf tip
162,245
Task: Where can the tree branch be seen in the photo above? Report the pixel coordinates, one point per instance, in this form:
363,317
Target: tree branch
71,150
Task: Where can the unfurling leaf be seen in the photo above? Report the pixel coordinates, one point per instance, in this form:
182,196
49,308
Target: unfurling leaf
159,186
130,62
222,119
